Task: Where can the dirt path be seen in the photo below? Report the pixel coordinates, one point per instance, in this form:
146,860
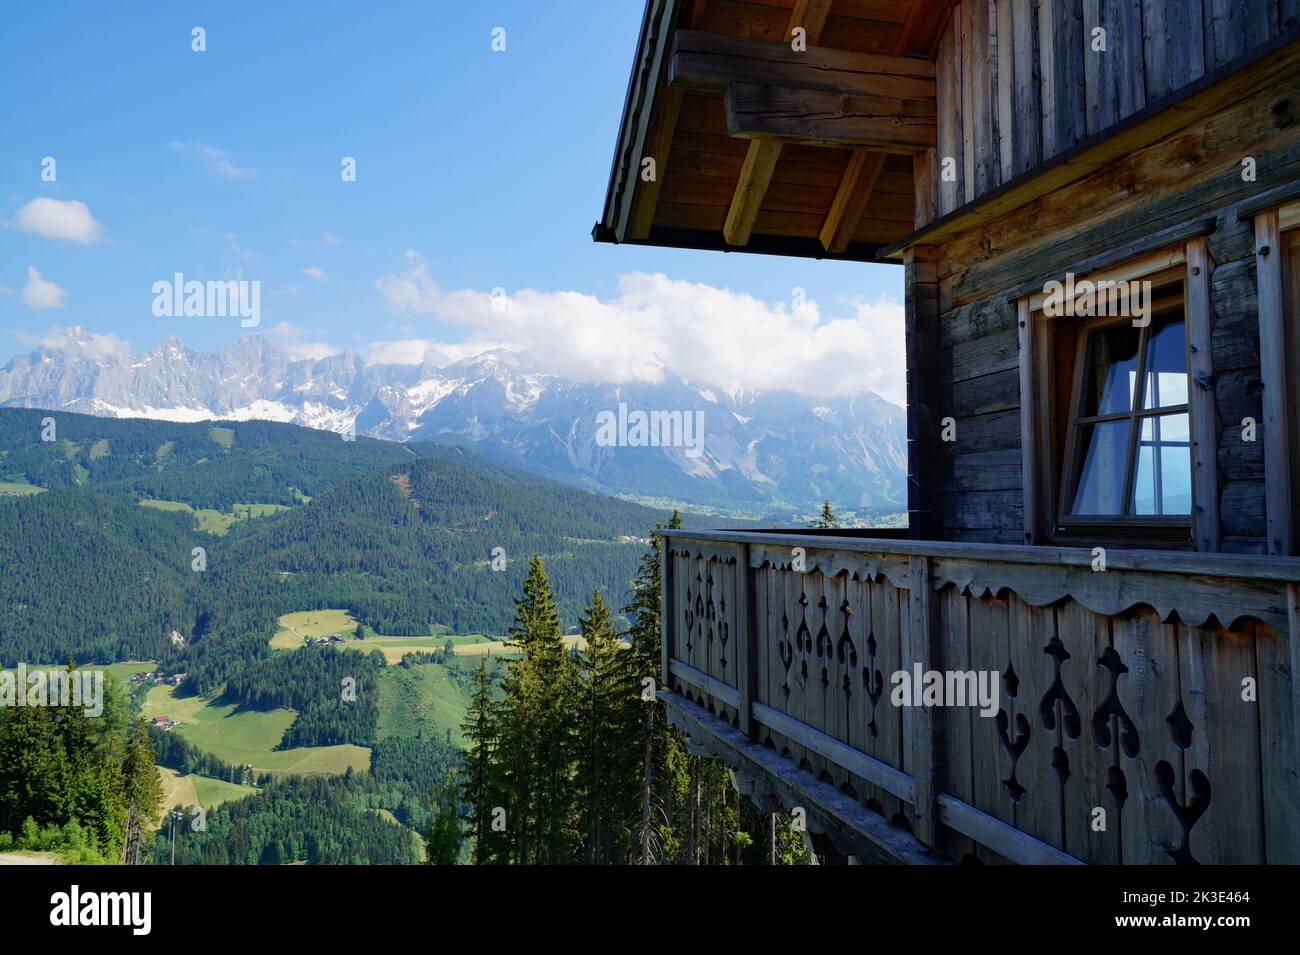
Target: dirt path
35,858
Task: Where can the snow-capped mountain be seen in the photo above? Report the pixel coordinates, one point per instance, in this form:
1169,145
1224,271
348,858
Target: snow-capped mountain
759,450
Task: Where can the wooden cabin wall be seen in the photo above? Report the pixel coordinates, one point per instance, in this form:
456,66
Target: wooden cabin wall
1019,82
1192,174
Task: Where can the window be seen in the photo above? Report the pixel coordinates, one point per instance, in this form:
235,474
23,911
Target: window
1129,442
1118,444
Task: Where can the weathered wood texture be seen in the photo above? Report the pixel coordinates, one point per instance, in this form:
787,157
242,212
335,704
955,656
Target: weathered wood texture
1191,176
1121,729
1023,80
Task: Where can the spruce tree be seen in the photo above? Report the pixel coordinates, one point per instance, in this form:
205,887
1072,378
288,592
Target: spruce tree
537,730
144,792
661,747
479,788
608,722
444,839
827,520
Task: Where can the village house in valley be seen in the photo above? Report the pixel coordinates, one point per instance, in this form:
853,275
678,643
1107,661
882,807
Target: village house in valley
1096,208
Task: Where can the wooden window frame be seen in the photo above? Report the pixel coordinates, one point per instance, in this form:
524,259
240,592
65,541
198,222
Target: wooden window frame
1047,414
1277,242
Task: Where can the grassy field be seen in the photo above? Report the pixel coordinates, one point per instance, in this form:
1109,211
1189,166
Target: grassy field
191,789
394,648
244,736
216,522
422,699
501,649
19,488
122,672
294,627
222,436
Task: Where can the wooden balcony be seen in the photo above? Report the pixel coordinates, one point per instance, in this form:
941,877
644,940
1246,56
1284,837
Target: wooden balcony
1146,713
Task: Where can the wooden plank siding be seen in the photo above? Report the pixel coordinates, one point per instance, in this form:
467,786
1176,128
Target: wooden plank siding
1023,80
1192,176
1119,732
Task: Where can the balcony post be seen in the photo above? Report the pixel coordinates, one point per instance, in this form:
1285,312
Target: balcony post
1293,649
665,610
746,642
922,733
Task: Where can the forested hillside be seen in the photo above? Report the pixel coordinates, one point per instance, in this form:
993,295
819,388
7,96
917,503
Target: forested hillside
93,575
403,536
299,819
205,464
396,540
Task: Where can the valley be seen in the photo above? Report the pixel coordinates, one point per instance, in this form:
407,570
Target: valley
396,546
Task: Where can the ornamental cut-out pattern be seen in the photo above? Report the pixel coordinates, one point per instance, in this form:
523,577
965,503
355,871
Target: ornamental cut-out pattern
1092,710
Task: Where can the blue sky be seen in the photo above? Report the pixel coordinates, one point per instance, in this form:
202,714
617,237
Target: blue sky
475,170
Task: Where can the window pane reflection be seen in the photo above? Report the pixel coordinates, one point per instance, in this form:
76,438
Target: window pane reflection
1164,382
1113,370
1101,476
1162,480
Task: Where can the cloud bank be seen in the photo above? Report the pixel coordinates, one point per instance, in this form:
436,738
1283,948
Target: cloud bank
712,335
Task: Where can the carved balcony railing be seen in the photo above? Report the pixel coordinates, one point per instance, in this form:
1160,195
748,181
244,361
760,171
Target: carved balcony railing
1146,712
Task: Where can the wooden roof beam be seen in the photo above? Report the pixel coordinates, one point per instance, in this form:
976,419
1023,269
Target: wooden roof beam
709,62
923,27
821,96
850,202
762,157
659,144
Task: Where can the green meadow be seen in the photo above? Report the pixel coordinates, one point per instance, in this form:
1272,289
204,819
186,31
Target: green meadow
216,522
19,489
243,736
192,789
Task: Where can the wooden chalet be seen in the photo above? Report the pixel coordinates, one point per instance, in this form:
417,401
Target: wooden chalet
1103,503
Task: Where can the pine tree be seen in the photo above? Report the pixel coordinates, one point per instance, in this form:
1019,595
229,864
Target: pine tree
144,792
827,520
444,839
660,745
478,789
537,730
607,711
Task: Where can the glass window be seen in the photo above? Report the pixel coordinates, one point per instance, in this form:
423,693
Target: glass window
1162,483
1132,427
1112,372
1101,481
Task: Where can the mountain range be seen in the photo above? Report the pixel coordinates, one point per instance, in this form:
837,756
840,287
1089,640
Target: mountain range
763,452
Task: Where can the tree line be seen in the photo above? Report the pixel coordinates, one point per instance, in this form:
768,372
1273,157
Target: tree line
574,761
69,781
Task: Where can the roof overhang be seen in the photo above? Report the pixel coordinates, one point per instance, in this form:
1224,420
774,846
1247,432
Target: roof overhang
733,140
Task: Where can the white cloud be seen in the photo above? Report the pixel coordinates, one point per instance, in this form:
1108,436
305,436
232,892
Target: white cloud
418,351
40,293
312,350
289,335
91,344
217,161
705,334
332,239
314,272
59,219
